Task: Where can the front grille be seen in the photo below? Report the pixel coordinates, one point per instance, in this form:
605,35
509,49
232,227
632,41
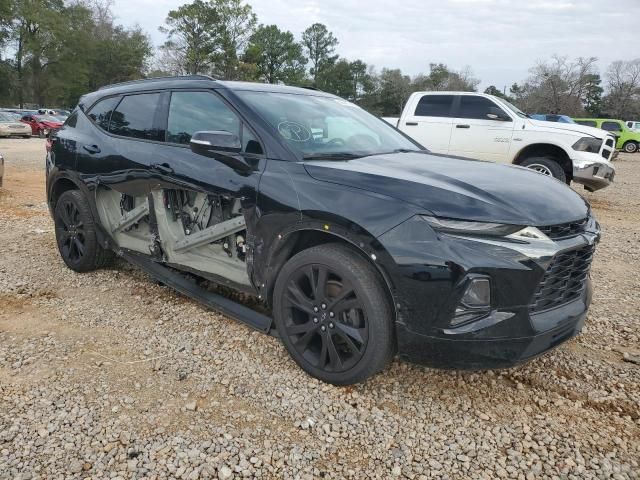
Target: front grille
565,279
564,230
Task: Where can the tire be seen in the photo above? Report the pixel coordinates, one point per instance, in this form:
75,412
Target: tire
630,147
546,166
350,337
76,234
41,134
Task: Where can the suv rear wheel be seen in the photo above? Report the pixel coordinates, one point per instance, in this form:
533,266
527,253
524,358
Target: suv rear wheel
630,147
546,166
332,312
76,234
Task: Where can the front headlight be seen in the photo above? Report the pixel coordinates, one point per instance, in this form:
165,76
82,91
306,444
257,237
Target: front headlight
467,227
588,144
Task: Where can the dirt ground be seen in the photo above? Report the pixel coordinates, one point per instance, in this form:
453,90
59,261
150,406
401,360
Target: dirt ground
109,375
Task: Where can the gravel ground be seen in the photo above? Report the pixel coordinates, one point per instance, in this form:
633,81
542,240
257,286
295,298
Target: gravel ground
109,375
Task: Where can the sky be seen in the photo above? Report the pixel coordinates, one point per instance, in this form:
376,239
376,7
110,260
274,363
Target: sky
499,39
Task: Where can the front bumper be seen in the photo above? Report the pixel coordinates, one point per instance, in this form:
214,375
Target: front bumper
430,277
448,352
593,175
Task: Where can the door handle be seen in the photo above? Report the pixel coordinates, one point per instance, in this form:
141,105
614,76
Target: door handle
463,126
162,168
411,124
91,149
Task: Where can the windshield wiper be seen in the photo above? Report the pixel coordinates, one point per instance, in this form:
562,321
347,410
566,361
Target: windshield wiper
332,156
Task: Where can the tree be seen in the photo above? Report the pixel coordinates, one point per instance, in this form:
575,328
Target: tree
319,44
492,90
623,89
193,36
441,78
237,23
394,91
559,86
276,55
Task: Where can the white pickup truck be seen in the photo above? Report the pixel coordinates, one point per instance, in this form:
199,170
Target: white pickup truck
485,127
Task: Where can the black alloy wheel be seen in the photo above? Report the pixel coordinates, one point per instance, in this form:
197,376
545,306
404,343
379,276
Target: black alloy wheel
70,231
325,319
76,234
332,312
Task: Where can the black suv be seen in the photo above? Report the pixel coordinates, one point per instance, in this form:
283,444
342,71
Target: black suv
359,242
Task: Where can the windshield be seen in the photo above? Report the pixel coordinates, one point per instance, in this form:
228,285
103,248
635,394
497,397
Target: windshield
6,118
515,109
326,127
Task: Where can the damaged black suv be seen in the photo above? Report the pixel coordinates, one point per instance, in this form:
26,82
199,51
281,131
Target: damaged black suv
359,242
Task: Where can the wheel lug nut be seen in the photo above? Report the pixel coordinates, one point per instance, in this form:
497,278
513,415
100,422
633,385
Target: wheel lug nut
315,319
323,328
331,314
324,305
315,309
330,324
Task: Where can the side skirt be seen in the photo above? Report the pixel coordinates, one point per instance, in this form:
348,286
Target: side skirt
212,300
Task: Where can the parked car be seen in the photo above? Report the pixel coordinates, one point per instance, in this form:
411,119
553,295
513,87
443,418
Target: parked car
41,125
627,139
1,169
552,118
486,127
9,126
360,243
633,126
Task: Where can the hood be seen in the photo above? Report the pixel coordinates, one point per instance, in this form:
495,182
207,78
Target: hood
460,188
50,124
571,128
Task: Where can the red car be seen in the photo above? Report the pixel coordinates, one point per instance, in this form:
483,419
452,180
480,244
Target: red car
41,125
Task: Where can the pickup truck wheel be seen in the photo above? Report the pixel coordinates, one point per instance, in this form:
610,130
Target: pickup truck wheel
546,166
332,312
630,147
76,234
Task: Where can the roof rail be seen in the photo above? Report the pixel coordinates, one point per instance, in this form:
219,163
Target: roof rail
154,79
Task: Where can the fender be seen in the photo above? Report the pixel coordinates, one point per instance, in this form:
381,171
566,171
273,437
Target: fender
317,231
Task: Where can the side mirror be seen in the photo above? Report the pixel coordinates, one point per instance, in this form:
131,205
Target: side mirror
496,114
222,146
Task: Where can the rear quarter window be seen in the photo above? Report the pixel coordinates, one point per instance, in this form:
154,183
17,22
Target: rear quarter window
135,117
611,126
101,112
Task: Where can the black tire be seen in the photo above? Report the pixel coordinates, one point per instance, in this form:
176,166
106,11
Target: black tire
76,234
546,166
41,134
352,337
630,147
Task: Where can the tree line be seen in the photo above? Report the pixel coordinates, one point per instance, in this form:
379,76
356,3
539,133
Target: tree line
57,50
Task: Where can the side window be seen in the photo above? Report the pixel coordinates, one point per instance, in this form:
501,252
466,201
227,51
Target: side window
611,126
26,118
434,106
134,117
190,112
250,143
72,120
100,113
475,107
588,123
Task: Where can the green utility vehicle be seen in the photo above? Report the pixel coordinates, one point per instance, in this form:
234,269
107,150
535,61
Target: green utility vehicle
626,139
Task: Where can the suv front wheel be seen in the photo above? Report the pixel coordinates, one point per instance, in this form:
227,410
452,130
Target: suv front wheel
332,312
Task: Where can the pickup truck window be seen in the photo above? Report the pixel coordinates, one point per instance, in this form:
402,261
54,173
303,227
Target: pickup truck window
434,106
588,123
474,107
611,126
